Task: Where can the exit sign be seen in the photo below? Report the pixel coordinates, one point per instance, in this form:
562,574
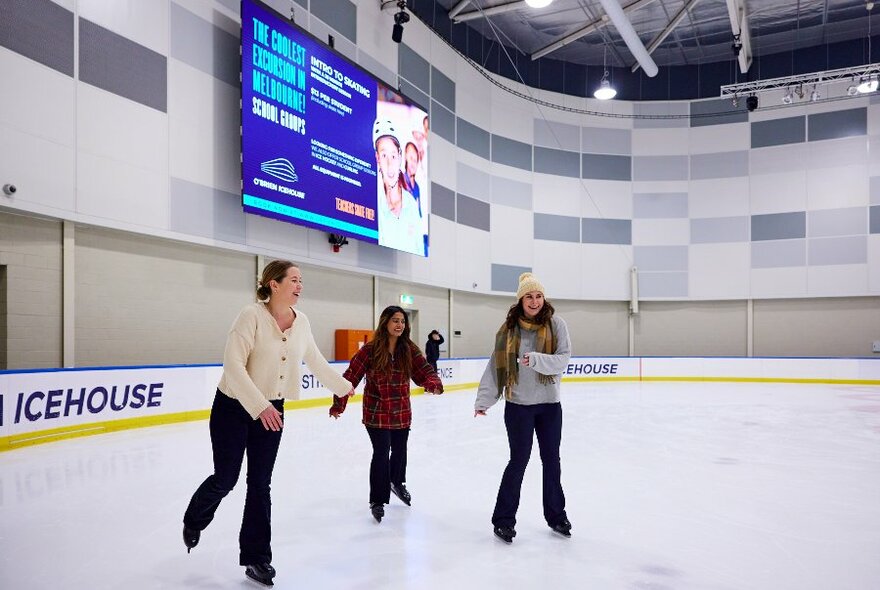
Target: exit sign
407,299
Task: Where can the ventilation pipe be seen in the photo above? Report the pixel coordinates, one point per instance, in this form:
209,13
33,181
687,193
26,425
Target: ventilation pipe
625,28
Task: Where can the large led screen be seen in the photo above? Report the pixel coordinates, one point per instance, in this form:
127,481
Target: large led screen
325,144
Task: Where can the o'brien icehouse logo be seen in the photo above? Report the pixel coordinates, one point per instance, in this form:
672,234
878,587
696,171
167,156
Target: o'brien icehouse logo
280,168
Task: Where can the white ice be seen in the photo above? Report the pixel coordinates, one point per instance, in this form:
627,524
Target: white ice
669,486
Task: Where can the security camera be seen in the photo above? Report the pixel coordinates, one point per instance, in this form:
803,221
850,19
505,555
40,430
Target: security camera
9,189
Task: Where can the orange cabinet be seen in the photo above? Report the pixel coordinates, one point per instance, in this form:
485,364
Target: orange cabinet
349,342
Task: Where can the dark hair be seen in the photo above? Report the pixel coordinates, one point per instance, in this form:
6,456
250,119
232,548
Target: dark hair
516,312
274,271
403,350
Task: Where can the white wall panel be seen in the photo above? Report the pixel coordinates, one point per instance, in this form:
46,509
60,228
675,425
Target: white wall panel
719,197
837,281
720,138
511,236
837,188
660,142
605,271
778,193
556,195
874,264
43,171
145,23
471,90
470,269
719,271
119,191
773,283
43,103
203,128
661,232
606,199
556,264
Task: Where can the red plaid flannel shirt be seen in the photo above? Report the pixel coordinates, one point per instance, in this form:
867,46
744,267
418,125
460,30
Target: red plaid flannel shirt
386,394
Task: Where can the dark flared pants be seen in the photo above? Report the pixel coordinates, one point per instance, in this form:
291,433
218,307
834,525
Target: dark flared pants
389,461
234,433
523,422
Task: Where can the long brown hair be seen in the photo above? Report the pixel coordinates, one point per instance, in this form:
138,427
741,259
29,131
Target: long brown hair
274,271
515,313
403,350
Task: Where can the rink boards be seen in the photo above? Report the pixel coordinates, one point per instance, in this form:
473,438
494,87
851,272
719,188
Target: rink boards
43,406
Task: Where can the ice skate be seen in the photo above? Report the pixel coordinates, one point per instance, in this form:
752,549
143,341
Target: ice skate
378,510
262,573
190,537
563,527
505,533
401,492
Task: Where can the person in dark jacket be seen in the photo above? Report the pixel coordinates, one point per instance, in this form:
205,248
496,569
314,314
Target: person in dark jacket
388,362
432,348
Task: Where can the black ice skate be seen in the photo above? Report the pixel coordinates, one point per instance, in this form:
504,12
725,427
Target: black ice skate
261,573
563,527
190,537
505,533
378,510
401,492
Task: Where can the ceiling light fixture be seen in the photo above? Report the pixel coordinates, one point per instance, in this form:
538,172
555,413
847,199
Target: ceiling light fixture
605,91
814,95
788,97
867,85
538,3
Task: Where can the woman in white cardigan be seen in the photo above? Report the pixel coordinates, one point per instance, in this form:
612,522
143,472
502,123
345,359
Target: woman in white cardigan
265,349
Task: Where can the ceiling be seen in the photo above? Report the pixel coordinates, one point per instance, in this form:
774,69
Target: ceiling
703,35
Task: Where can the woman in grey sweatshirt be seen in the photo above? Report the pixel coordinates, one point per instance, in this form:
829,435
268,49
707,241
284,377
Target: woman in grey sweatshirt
532,350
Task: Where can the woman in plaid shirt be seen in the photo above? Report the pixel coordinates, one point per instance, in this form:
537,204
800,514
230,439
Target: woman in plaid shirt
388,361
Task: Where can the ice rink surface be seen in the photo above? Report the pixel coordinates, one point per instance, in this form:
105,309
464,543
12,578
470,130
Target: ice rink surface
669,486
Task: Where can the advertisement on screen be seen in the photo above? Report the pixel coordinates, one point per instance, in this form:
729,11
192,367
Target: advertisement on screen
324,143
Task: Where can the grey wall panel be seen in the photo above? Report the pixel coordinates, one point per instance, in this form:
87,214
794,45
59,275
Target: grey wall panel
557,135
720,165
715,230
39,30
663,284
473,182
660,115
206,211
831,251
660,205
875,220
661,258
779,131
442,122
559,162
414,93
511,152
339,14
236,6
779,226
414,68
442,89
472,212
442,201
778,254
837,222
599,140
606,231
605,167
875,190
511,193
849,123
560,228
506,277
717,112
472,138
200,44
660,167
121,66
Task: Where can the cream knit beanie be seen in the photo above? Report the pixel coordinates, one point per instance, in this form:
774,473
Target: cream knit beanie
527,283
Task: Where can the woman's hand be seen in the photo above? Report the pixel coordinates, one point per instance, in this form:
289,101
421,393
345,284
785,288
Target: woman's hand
524,361
350,392
271,418
479,413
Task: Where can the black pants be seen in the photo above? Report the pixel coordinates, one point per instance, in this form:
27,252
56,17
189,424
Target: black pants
544,420
389,461
234,432
433,363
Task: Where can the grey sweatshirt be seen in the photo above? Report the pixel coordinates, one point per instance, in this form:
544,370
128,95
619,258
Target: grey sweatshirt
528,390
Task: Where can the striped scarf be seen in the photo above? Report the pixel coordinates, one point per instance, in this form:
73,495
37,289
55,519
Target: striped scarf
507,352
